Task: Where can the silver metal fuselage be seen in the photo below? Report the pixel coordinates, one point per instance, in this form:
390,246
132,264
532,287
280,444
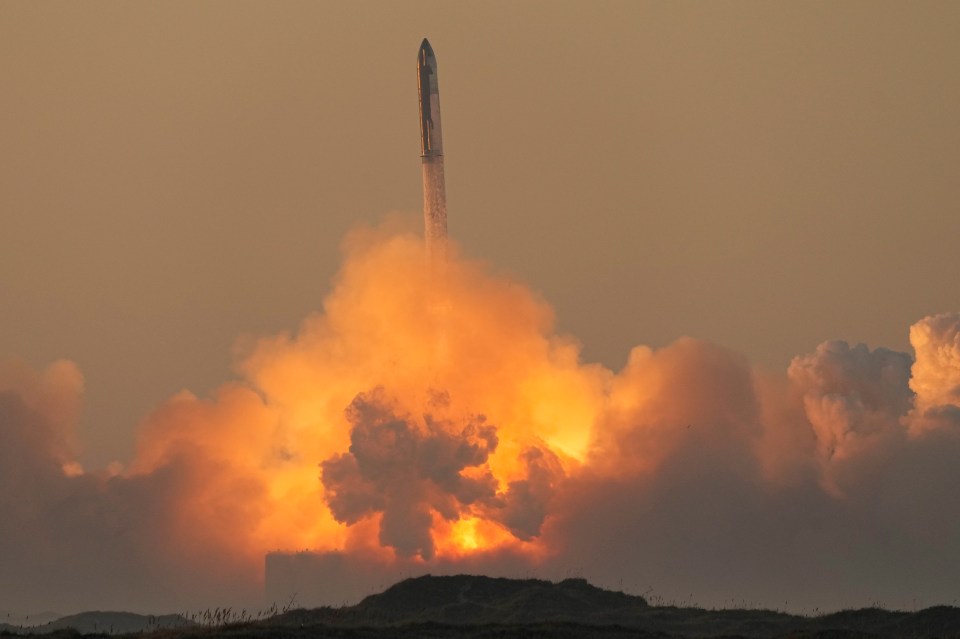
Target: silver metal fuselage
431,140
431,154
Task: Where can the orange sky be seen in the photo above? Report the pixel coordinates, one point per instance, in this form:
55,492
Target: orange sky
174,175
695,195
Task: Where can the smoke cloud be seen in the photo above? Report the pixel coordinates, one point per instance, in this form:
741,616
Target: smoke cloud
433,419
407,470
936,374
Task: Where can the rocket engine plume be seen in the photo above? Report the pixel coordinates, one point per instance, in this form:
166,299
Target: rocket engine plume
431,153
508,455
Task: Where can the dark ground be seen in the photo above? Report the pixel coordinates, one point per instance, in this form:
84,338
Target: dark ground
475,607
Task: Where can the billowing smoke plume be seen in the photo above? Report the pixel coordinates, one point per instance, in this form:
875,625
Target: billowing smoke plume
72,539
936,374
407,469
438,421
853,399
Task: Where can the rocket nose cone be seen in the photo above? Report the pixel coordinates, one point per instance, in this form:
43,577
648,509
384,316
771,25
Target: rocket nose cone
425,48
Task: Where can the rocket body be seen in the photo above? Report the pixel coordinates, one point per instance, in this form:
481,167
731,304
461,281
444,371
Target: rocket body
431,153
431,140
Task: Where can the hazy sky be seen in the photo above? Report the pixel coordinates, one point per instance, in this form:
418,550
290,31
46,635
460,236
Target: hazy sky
177,178
178,174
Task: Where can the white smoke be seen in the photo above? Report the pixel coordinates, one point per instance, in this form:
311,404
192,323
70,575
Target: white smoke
936,373
853,399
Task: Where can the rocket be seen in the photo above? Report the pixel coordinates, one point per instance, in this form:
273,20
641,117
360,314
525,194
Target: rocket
431,143
431,153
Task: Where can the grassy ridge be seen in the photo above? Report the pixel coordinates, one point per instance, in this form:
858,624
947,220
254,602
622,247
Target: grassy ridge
471,606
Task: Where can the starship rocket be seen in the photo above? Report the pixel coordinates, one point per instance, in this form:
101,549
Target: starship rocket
431,153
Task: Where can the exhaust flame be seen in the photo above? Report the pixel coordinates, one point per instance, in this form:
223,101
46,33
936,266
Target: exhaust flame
435,207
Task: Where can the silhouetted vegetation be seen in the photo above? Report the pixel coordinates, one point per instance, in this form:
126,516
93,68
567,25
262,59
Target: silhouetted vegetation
467,607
